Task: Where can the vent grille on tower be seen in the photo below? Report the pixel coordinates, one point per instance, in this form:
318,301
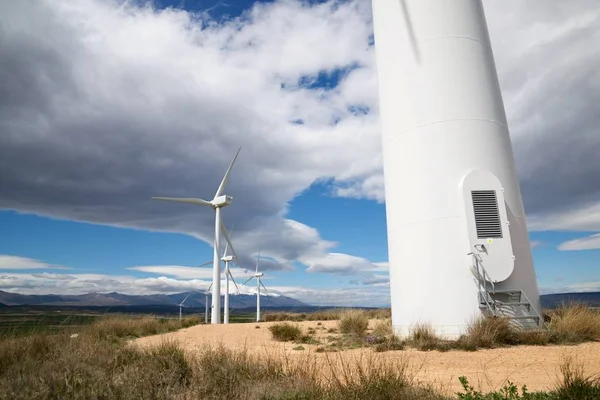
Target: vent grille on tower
487,214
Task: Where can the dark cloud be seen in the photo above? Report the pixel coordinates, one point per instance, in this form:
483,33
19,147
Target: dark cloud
547,55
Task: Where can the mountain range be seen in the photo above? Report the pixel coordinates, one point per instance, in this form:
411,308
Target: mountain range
197,300
117,299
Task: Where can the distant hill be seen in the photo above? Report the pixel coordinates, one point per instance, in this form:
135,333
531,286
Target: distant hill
554,300
237,301
123,300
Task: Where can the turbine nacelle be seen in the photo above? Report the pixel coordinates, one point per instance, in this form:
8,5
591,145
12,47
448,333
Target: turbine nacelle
228,258
221,201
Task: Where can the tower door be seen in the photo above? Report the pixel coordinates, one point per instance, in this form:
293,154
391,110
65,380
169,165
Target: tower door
487,223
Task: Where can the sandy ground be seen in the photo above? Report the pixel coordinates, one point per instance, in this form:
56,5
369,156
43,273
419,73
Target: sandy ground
535,366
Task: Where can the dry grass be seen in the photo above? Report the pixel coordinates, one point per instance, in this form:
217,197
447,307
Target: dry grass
326,315
354,322
574,323
100,364
285,332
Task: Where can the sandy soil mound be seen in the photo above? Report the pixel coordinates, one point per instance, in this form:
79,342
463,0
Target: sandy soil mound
535,366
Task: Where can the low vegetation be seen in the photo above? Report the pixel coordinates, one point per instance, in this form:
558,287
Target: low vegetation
285,332
354,322
100,363
325,315
569,324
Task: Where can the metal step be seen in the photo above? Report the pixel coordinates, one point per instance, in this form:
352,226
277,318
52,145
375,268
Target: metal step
510,303
523,317
514,301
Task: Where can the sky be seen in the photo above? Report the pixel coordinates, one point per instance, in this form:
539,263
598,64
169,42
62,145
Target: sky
106,103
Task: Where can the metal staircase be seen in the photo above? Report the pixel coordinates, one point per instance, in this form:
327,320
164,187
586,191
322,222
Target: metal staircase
511,304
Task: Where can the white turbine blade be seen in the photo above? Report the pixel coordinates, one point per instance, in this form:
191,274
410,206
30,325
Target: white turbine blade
208,290
186,297
188,200
249,279
228,239
261,284
226,177
233,280
257,258
206,263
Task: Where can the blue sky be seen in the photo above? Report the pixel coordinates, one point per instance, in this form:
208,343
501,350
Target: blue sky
166,99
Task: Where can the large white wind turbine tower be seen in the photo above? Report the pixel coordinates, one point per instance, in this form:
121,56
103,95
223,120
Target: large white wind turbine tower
257,275
457,238
219,200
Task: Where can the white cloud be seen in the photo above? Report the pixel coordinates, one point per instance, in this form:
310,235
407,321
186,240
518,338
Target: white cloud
87,283
535,243
586,243
8,262
339,263
183,272
375,296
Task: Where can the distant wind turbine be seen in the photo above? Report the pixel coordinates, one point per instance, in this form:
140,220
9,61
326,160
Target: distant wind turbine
257,275
206,293
227,259
181,305
219,200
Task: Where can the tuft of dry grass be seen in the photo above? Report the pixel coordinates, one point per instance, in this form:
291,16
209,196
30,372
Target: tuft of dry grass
354,322
423,337
383,328
490,332
574,323
286,332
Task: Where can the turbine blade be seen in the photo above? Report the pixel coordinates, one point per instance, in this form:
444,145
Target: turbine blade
233,280
249,279
228,239
226,177
186,297
227,243
261,284
188,200
206,263
257,258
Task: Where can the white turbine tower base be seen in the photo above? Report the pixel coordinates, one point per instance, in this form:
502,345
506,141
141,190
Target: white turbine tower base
219,200
451,187
258,276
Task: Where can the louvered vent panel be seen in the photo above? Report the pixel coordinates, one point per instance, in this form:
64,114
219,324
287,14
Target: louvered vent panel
487,214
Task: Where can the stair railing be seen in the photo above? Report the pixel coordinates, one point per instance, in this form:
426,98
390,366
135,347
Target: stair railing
483,280
532,307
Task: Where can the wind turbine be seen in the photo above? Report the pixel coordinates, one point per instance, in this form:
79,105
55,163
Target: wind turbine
181,305
257,275
219,200
227,259
206,293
